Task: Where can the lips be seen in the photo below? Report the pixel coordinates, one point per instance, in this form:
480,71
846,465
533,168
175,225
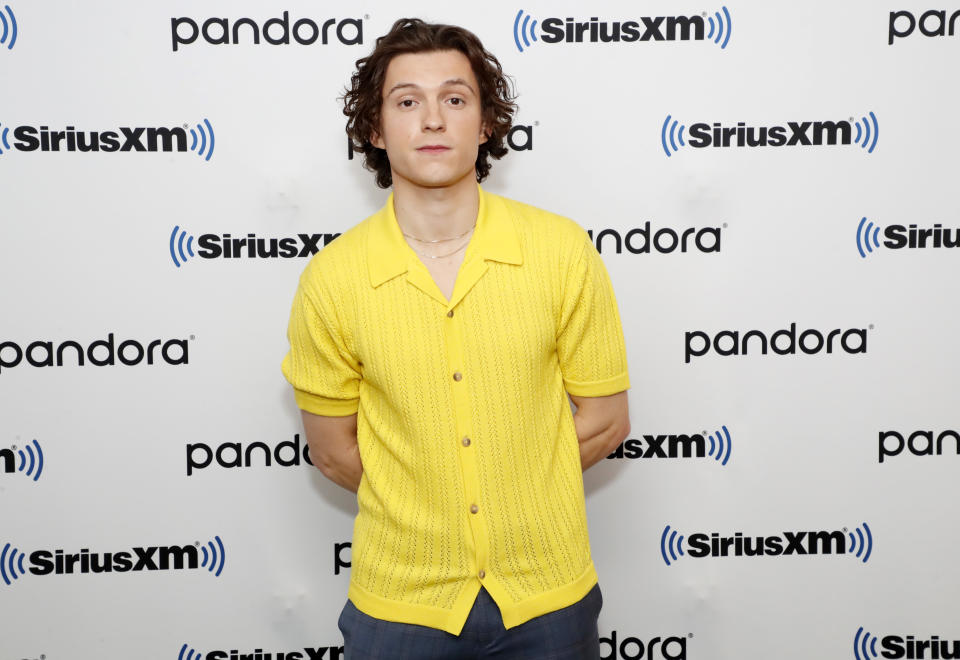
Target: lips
433,149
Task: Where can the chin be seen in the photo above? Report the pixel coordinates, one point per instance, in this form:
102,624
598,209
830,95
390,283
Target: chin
439,179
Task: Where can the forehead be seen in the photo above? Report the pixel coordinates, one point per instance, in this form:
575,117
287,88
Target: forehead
428,70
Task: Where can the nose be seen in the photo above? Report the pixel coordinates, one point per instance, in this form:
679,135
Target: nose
432,117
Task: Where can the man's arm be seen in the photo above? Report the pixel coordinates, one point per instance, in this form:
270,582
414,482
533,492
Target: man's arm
602,423
333,448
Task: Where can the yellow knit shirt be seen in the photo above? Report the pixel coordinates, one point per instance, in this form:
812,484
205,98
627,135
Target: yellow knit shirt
471,467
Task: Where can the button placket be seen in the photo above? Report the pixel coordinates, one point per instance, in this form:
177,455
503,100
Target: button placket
461,389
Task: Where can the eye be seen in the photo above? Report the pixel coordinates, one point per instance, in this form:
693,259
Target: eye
456,100
406,103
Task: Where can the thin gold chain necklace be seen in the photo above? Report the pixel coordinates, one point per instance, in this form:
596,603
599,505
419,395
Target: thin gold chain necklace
439,240
441,256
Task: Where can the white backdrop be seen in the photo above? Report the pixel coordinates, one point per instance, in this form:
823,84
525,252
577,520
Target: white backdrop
91,249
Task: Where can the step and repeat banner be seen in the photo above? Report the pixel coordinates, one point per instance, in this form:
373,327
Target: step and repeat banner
772,187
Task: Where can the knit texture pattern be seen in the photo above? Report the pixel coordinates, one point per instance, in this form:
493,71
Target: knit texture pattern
533,317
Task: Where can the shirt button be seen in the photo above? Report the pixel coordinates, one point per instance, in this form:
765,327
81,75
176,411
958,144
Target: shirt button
474,508
482,574
457,376
450,314
465,442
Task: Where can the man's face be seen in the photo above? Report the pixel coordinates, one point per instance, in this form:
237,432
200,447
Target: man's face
430,120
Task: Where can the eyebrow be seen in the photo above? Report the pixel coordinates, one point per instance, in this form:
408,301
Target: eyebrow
445,83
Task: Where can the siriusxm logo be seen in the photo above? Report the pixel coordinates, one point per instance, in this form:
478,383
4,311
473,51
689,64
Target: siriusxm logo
933,23
308,653
678,446
701,27
897,646
152,558
101,353
632,648
233,454
794,134
782,342
213,246
275,31
31,460
643,240
31,138
700,545
918,443
900,236
8,28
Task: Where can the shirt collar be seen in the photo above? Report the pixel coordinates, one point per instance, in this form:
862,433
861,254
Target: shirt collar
495,238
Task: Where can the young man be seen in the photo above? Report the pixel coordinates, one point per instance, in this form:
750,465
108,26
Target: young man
433,348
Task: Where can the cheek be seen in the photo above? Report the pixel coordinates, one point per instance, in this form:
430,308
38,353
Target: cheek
397,129
470,126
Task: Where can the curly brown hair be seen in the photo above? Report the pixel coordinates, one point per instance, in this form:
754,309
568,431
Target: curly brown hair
363,99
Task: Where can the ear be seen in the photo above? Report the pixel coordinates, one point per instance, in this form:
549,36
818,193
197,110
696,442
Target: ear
484,133
377,141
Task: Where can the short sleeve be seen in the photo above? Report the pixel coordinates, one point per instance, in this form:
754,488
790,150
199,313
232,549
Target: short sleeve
324,374
590,346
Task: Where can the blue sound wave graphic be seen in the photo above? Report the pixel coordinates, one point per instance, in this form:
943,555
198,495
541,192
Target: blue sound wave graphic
670,544
213,557
187,653
11,560
868,237
722,28
526,31
204,152
862,543
723,445
864,645
9,28
868,131
3,136
671,132
35,468
177,237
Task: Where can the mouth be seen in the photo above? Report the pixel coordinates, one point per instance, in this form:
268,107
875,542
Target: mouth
433,149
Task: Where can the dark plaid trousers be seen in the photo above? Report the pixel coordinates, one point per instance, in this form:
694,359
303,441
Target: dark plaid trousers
567,634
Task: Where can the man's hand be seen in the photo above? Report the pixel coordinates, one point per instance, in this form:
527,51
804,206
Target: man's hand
602,423
333,448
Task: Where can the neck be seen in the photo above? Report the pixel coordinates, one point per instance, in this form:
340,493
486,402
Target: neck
436,213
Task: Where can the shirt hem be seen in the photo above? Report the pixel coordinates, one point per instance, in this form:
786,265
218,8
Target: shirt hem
550,601
450,621
453,620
